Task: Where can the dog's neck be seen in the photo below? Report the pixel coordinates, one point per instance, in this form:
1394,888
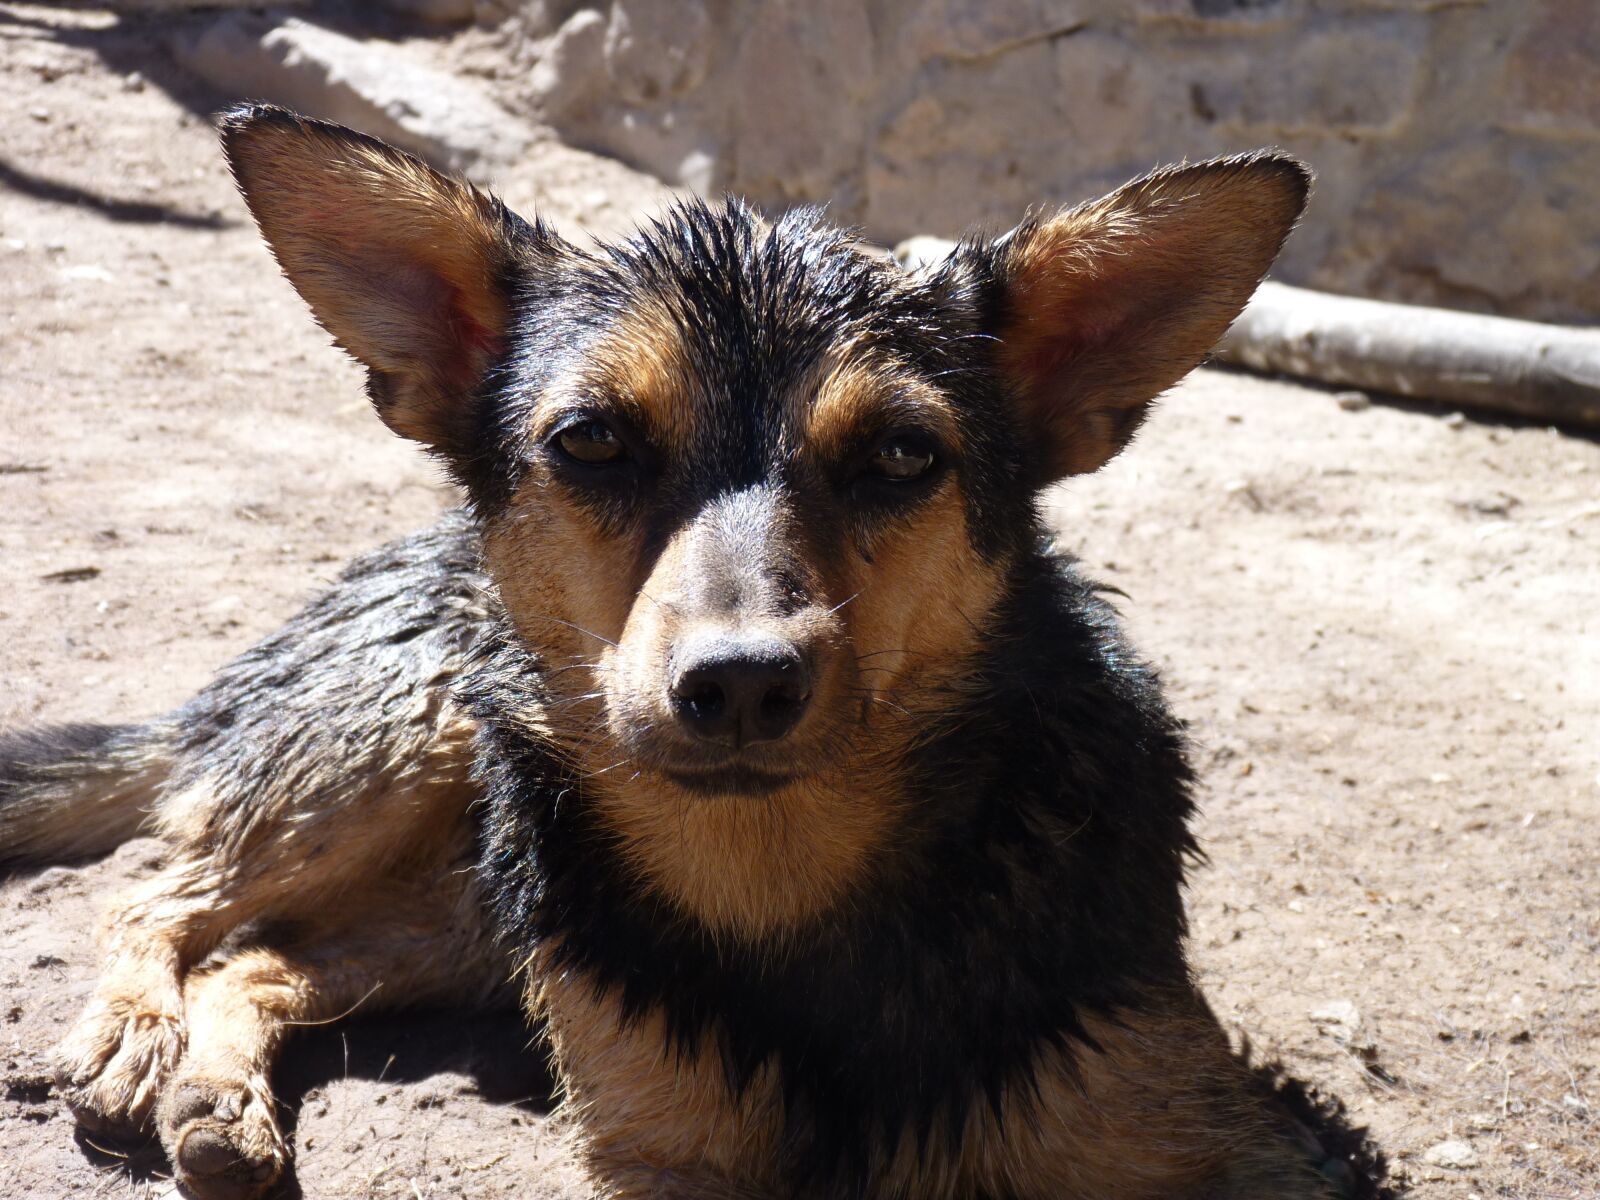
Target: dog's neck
751,867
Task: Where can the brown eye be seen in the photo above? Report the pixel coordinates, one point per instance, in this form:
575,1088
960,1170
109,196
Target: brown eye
901,459
591,442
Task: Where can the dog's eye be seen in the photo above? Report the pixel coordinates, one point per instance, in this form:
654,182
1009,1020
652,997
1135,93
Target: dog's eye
902,458
592,442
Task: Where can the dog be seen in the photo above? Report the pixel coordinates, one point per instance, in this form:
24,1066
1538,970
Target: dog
742,723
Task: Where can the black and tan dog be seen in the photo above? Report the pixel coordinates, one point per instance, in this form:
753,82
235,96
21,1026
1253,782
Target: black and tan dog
821,814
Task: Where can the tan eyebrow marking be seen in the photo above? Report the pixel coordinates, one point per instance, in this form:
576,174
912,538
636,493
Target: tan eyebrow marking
859,395
642,367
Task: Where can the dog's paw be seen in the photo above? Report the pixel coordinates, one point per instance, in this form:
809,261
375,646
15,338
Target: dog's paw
221,1135
112,1066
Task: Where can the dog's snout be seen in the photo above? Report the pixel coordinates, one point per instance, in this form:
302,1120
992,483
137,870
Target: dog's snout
737,691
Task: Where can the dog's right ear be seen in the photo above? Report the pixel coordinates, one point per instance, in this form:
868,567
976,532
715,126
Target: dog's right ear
410,270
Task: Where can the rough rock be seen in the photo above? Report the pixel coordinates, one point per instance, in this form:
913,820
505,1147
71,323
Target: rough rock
1457,143
1456,1155
657,49
1339,1019
363,84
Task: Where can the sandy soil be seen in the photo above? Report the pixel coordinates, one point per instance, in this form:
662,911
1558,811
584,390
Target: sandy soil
1381,623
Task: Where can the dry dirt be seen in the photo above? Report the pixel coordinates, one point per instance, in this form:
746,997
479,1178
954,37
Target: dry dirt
1381,623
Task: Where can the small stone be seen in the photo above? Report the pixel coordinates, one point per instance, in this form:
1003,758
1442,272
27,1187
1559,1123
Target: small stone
87,273
1352,401
1455,1155
1456,421
39,114
1339,1019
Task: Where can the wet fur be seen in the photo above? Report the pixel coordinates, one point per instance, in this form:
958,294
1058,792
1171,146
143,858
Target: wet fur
934,945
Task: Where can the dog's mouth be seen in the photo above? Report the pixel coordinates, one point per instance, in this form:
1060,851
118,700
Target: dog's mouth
729,779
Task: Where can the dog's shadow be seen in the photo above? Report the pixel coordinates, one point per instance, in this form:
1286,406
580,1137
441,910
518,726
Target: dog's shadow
1344,1152
496,1050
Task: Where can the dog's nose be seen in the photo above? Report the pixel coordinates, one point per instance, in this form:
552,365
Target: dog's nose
737,691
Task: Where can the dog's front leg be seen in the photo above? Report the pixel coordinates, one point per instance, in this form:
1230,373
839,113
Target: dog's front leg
112,1064
398,943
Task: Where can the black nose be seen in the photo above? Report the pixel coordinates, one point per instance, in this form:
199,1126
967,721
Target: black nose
737,691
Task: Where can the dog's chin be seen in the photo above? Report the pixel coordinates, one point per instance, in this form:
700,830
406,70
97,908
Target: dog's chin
728,780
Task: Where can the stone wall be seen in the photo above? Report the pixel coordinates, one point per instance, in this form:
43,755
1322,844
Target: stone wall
1457,142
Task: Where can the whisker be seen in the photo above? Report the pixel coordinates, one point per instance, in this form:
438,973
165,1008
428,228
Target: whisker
587,632
839,605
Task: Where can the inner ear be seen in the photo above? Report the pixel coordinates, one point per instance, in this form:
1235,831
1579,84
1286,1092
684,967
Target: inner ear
1107,305
410,270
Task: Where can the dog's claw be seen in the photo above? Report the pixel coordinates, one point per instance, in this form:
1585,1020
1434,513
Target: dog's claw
111,1068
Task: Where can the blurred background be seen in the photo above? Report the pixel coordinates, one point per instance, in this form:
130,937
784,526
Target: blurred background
1457,141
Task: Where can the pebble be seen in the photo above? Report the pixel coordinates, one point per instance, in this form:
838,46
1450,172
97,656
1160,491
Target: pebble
1340,1013
87,272
1456,1155
1352,401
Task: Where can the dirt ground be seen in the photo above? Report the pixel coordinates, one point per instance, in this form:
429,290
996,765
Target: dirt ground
1382,624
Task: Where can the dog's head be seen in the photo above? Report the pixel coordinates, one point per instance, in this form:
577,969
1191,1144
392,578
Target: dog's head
751,492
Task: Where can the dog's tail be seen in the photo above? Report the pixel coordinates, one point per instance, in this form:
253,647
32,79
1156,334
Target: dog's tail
70,791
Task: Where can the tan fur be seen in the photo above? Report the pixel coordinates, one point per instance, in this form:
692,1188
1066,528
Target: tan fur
397,942
641,365
648,1115
400,263
1116,300
915,600
855,390
299,865
1161,1111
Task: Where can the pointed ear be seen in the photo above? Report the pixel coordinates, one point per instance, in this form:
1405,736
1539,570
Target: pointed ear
411,271
1109,304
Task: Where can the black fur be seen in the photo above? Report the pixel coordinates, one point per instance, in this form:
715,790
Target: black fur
28,756
756,307
1039,881
334,687
36,765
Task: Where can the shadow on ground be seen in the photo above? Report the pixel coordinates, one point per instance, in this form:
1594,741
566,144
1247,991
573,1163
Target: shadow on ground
495,1050
1350,1160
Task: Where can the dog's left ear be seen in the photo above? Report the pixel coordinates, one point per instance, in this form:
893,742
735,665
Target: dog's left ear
410,270
1107,305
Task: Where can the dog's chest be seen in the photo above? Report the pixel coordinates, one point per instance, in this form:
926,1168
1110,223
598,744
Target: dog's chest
651,1116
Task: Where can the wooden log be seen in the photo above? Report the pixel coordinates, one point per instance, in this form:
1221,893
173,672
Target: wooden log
1544,372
